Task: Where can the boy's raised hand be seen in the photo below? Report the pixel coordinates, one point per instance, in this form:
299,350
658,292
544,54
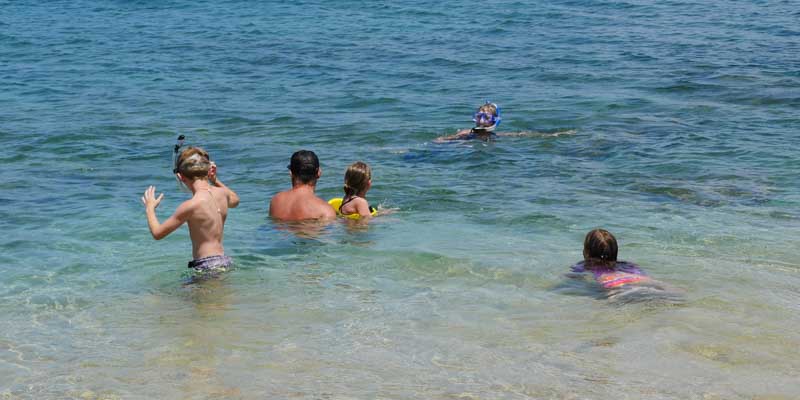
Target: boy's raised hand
149,199
212,173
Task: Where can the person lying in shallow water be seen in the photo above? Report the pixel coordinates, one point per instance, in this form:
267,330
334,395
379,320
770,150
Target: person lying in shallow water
621,281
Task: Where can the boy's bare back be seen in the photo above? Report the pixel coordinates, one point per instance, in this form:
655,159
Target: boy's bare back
206,217
205,212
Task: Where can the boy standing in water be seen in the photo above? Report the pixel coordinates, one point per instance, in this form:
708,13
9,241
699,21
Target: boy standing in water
300,202
205,212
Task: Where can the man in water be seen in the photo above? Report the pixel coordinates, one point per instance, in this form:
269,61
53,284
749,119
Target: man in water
300,203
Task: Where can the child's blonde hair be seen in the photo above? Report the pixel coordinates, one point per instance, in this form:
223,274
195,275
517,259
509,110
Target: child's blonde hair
194,163
356,178
488,108
600,246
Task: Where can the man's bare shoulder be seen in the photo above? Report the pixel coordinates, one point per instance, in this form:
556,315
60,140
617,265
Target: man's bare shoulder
326,209
279,198
276,202
280,195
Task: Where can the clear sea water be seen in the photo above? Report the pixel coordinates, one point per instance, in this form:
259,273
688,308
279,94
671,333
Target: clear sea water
673,124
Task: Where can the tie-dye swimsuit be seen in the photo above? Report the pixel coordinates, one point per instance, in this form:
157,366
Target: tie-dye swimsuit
621,274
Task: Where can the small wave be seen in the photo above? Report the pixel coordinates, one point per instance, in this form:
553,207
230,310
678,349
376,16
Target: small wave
784,215
447,62
687,87
543,134
282,119
392,149
646,294
237,120
766,100
360,102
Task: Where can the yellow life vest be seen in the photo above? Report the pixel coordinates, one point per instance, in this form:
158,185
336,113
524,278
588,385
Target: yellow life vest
336,203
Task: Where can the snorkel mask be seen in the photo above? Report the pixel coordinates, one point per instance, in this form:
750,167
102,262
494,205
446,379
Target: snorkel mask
485,121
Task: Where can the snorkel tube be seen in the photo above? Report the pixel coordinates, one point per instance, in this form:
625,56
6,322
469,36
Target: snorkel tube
175,151
482,117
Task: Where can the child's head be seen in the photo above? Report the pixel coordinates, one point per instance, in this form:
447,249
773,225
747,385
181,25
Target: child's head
490,108
486,116
194,163
357,179
304,167
600,246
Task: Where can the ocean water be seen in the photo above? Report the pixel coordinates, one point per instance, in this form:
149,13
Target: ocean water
672,124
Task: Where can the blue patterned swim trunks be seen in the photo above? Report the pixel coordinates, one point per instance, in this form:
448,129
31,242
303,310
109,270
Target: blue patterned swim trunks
211,264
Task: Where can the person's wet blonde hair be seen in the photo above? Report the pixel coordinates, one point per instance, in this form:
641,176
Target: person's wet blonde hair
488,108
356,178
194,163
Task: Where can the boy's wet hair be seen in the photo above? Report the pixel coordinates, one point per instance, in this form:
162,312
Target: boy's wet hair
194,163
356,178
600,245
488,108
304,166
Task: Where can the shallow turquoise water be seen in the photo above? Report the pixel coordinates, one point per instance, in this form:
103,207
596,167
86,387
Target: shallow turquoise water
672,125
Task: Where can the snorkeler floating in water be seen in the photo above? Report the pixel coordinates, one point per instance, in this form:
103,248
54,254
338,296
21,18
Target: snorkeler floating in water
486,119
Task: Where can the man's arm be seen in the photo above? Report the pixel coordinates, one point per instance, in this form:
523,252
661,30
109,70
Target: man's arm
275,204
159,230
